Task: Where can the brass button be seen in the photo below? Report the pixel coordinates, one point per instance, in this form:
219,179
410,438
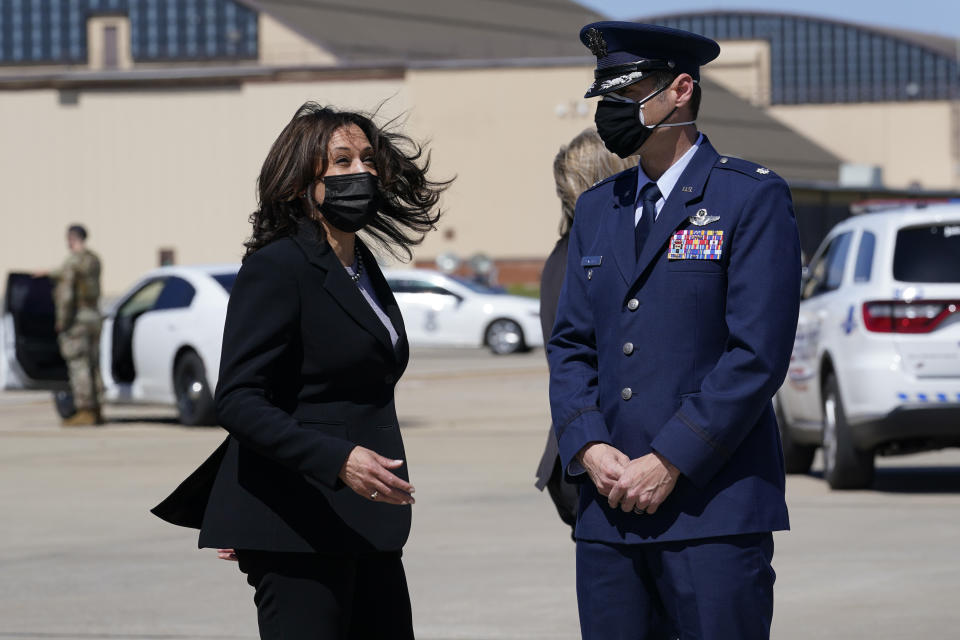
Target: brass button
627,393
627,348
633,304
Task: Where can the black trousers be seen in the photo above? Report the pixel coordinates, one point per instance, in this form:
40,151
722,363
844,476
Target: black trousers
301,596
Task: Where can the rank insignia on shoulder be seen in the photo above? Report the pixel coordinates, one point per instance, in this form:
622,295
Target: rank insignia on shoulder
701,218
696,244
763,171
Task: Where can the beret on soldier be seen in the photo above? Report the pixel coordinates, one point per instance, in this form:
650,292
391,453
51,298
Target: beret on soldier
629,51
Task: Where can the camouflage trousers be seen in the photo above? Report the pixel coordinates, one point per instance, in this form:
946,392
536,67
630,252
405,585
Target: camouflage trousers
80,348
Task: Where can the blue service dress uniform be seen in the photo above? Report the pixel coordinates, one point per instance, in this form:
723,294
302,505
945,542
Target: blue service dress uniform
679,352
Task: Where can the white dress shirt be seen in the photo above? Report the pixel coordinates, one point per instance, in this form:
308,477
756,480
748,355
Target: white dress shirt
667,181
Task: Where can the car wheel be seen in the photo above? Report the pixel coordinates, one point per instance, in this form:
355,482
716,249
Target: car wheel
844,466
504,336
63,401
797,458
194,399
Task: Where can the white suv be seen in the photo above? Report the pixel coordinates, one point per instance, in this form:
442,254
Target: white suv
876,363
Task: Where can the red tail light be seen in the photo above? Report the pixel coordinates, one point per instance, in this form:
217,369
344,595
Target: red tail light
897,316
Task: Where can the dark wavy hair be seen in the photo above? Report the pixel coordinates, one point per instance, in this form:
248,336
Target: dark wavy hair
299,155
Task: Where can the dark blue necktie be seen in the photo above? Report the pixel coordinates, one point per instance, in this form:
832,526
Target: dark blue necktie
648,196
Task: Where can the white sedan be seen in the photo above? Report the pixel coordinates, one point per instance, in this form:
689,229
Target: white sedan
160,342
443,310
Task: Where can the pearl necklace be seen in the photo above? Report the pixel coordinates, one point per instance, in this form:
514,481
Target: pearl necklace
355,276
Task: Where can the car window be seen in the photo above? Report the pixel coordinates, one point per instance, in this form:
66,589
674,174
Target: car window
177,293
416,286
477,286
864,266
930,253
143,299
226,281
826,272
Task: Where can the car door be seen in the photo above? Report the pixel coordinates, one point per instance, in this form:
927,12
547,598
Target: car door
426,310
158,335
123,368
820,321
30,354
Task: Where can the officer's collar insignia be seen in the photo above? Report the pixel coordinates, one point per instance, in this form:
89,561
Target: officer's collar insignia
701,218
687,189
596,43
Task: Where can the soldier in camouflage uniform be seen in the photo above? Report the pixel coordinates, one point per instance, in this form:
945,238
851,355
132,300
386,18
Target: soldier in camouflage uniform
77,299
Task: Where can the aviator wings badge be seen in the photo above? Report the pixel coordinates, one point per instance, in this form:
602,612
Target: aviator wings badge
702,218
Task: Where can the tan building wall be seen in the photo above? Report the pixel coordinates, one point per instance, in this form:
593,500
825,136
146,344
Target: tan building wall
282,46
743,68
498,131
146,169
915,143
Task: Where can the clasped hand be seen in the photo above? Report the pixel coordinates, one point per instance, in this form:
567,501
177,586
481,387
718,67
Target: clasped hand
641,484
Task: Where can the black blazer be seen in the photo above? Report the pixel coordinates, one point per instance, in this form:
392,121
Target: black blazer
307,372
551,282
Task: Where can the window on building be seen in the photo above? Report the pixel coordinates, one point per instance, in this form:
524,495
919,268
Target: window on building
110,47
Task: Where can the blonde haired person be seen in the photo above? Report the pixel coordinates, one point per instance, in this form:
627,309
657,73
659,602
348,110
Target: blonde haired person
578,165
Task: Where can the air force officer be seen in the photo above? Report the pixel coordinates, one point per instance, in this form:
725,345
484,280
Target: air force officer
674,330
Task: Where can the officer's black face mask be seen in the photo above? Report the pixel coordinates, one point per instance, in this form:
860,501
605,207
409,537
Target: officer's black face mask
621,125
350,201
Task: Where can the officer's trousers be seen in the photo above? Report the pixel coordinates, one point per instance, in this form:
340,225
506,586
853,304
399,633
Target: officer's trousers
710,589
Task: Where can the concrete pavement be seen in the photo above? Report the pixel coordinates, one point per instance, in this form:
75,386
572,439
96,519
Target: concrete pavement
81,557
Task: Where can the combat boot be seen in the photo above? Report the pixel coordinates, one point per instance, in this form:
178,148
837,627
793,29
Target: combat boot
82,418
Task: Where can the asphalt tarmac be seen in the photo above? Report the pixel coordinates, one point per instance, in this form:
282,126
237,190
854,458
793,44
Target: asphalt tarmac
82,558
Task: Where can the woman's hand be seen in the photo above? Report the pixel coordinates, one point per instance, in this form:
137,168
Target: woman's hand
227,554
371,476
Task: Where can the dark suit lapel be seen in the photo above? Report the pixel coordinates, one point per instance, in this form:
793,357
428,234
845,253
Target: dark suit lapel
620,224
338,284
674,211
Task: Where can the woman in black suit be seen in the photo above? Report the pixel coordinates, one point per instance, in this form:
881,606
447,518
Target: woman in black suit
311,488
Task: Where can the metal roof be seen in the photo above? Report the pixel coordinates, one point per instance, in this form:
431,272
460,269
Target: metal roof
935,43
740,129
359,30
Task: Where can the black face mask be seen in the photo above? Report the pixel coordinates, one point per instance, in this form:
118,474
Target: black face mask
621,125
350,201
